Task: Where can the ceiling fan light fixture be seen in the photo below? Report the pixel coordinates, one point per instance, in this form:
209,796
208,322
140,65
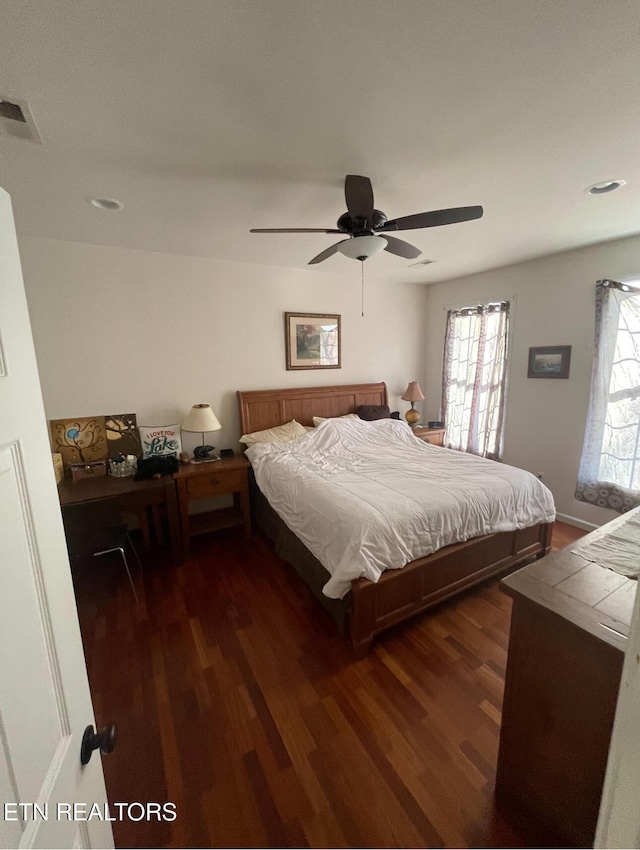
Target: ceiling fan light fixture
362,247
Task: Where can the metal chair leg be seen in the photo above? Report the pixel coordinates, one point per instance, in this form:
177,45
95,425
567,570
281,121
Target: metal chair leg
133,549
126,565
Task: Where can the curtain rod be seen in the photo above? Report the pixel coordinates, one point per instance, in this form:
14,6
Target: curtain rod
615,284
509,299
479,309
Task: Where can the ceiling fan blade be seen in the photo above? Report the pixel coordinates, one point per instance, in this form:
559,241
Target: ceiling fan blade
292,230
401,248
435,218
326,254
358,194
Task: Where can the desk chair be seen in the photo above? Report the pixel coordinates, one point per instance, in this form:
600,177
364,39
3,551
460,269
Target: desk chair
98,528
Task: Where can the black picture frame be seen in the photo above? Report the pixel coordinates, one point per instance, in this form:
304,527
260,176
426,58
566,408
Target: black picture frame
549,361
313,340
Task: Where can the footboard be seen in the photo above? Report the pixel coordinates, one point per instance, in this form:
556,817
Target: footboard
400,594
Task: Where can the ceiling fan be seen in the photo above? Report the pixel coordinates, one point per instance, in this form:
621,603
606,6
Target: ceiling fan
367,227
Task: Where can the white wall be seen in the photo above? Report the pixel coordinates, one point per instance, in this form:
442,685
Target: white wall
119,330
552,304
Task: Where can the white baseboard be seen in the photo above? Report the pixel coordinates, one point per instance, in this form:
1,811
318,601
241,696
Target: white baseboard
579,523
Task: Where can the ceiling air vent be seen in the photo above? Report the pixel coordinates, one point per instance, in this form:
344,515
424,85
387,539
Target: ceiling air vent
16,121
421,263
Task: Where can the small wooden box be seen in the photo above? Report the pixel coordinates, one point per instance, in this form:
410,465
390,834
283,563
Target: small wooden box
93,469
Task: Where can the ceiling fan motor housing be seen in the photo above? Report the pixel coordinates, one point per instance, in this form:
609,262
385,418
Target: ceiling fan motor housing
360,226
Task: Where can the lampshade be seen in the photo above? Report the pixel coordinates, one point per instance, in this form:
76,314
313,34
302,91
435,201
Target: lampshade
201,418
413,392
362,247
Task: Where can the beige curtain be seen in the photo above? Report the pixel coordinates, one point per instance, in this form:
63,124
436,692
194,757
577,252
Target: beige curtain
475,359
609,473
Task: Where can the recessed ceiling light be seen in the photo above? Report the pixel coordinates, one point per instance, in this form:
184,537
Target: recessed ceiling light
109,204
604,187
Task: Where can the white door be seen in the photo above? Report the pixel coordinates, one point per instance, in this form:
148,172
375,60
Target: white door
45,703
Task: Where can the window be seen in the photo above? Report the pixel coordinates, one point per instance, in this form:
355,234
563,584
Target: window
475,359
610,467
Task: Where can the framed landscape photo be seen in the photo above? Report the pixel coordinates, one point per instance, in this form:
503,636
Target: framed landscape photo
551,361
312,340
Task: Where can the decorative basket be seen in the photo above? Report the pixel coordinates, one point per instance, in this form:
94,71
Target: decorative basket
125,467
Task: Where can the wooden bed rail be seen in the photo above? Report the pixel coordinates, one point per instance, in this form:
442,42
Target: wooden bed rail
401,594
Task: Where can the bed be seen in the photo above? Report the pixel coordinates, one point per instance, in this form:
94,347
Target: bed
371,607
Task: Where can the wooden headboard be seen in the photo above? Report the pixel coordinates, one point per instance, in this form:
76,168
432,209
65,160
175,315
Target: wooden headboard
261,409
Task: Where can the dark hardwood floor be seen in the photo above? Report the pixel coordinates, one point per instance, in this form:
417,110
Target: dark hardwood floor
236,699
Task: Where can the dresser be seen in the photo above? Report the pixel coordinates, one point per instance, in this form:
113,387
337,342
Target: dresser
435,436
567,641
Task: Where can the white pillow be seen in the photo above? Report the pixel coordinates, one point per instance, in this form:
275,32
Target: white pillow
318,420
160,440
280,434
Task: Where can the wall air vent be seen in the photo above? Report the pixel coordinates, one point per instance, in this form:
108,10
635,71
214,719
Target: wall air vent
16,121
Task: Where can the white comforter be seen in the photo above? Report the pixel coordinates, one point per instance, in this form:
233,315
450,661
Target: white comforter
369,496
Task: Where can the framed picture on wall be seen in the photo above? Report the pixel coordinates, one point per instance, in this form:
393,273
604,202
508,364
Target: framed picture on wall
312,340
551,361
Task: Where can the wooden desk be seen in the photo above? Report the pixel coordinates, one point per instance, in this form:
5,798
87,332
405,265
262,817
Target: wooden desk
566,649
143,497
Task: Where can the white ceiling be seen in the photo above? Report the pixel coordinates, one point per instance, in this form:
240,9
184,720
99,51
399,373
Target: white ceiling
208,117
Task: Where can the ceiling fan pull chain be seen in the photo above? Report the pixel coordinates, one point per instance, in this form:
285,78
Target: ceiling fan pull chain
362,285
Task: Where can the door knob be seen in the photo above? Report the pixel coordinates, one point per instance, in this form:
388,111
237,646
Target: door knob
104,740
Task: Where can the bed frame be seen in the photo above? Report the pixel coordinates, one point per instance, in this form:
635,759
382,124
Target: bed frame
399,594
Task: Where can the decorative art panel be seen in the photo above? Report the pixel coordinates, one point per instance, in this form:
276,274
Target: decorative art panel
122,435
80,440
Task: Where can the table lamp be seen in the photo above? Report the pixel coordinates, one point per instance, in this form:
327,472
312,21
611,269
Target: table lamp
201,419
413,393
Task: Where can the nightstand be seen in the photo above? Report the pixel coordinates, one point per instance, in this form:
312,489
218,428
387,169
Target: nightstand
435,436
216,478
